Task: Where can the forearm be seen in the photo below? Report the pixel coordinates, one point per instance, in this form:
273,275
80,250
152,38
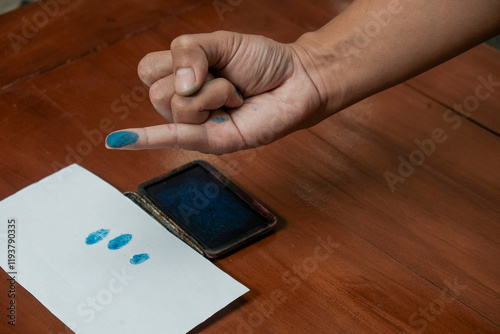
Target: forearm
373,45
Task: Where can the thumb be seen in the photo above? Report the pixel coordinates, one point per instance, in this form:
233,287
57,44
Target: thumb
191,57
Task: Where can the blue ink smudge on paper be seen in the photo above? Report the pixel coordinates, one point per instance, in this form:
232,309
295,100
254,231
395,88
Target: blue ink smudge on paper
139,258
120,241
219,119
96,236
116,243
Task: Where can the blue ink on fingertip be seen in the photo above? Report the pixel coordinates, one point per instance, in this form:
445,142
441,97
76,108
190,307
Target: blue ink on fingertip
239,93
121,139
96,236
219,119
139,258
119,241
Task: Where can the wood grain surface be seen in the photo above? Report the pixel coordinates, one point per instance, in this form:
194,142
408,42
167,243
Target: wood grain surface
353,253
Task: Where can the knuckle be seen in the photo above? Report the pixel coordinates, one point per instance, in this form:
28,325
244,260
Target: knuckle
143,69
156,94
180,103
228,86
223,34
182,42
147,68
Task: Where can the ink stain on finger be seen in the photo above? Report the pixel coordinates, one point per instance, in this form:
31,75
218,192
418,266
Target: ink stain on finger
239,93
96,236
219,119
139,258
121,138
119,241
255,108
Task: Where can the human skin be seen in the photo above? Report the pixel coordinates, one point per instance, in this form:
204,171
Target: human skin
222,92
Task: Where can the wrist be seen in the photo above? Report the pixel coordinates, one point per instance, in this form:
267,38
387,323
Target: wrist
324,70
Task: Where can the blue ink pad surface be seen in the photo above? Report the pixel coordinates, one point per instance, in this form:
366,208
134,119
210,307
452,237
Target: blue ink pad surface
207,208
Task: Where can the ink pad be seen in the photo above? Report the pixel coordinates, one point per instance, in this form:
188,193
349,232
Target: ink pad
204,208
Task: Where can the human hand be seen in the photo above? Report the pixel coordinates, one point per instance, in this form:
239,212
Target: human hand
287,87
207,112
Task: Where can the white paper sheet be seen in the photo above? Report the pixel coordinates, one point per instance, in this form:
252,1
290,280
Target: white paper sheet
93,289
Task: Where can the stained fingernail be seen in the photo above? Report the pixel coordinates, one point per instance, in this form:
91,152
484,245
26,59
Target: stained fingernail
239,93
185,81
121,139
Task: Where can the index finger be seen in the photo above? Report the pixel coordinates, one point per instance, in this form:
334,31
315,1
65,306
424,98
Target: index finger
213,136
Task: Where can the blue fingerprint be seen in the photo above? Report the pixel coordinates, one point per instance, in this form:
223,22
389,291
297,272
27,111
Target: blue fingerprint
120,241
121,139
139,258
96,236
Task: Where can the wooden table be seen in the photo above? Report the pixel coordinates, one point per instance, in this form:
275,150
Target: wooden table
351,254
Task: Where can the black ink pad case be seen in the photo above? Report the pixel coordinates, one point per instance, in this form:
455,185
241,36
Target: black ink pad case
204,208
